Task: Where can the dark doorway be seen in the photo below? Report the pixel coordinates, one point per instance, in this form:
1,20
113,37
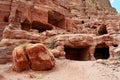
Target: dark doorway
6,19
25,25
102,53
82,22
41,26
57,19
102,30
79,54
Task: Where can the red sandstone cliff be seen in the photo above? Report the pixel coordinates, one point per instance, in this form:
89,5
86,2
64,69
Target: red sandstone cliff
61,8
34,21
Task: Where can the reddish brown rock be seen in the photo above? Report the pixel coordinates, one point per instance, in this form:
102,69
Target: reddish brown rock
34,56
58,52
2,77
7,46
40,58
14,32
84,47
4,14
37,21
20,61
62,14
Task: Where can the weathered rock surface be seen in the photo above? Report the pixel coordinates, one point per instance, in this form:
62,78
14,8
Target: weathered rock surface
58,52
20,61
34,56
7,46
38,21
2,77
86,44
4,14
75,40
13,32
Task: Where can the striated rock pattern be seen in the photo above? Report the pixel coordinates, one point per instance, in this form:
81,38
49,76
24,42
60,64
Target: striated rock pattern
34,56
5,7
39,21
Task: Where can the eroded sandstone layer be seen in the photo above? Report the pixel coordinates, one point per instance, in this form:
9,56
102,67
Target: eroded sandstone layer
40,21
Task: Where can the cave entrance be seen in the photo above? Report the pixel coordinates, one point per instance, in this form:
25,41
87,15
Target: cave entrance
102,30
6,19
56,19
25,25
102,52
41,26
82,22
78,54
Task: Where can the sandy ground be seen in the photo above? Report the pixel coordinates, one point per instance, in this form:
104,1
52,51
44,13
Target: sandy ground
66,70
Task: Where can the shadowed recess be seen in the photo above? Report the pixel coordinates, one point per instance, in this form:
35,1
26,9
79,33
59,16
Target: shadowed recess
78,54
41,26
102,52
102,30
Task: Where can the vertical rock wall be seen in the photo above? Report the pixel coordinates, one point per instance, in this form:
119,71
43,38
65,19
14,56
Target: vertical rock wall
5,6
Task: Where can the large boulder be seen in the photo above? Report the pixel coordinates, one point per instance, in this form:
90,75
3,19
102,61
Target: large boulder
34,56
40,58
20,61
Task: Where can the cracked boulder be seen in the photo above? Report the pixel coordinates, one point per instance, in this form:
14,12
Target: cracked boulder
34,56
